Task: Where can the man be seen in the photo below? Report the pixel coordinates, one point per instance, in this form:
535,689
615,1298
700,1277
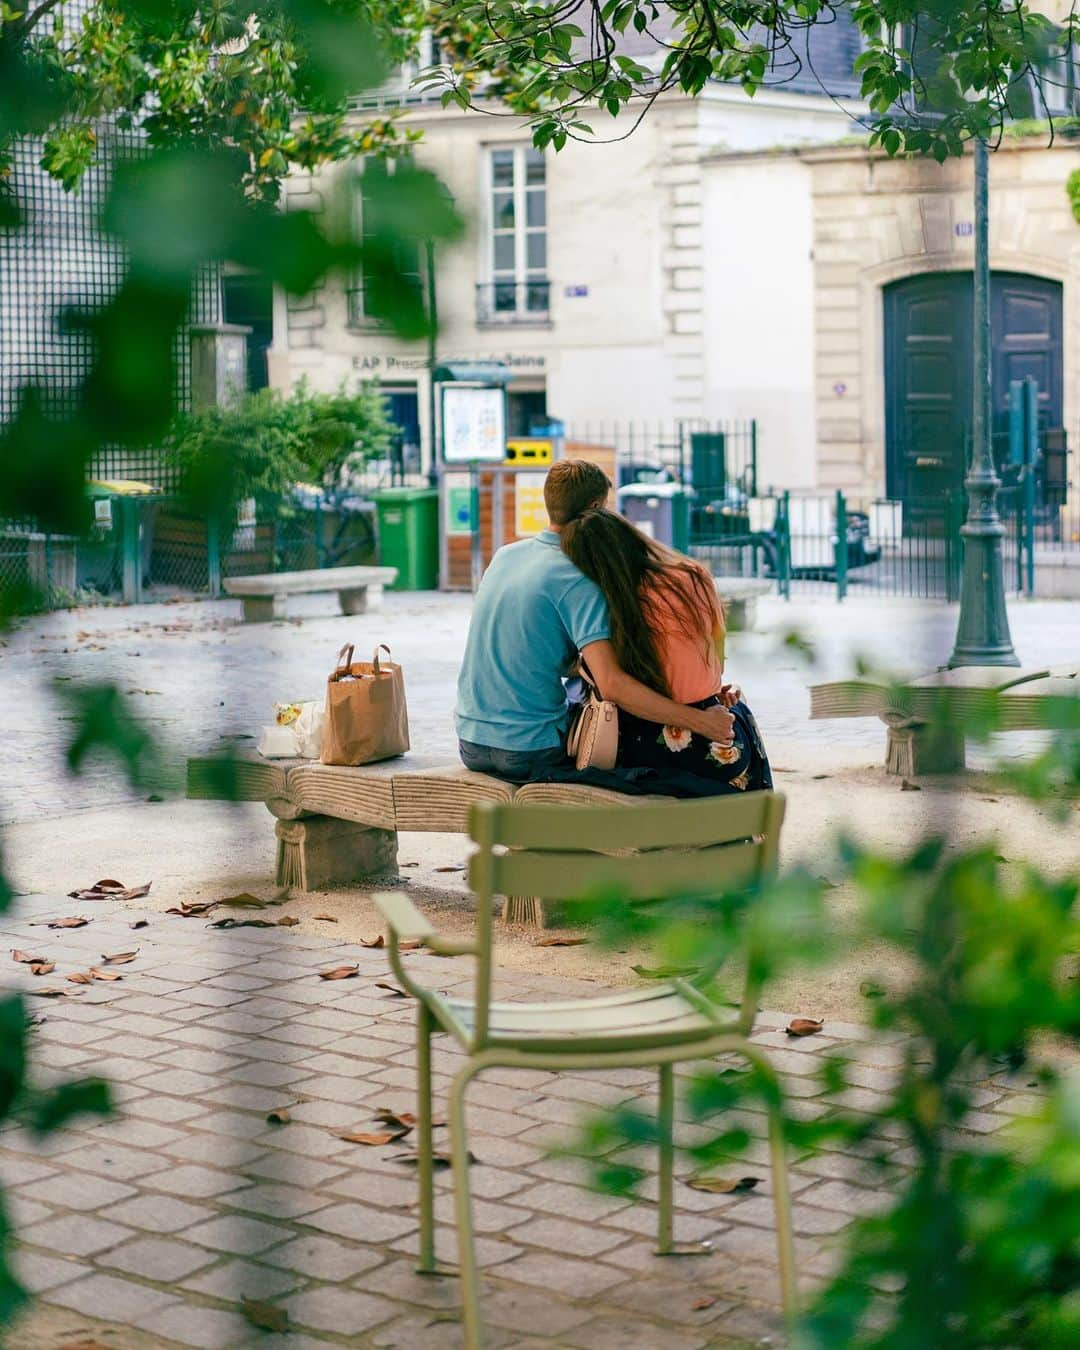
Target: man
533,613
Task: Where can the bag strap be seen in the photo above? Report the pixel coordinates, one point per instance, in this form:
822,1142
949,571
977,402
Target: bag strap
382,647
344,658
583,671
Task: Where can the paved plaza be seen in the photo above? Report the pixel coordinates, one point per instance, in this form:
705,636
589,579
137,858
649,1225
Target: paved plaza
162,1220
151,1228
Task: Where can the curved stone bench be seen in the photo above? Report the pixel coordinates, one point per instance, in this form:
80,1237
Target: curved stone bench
926,717
337,825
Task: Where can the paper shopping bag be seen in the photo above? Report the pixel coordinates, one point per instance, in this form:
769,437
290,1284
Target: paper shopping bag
366,717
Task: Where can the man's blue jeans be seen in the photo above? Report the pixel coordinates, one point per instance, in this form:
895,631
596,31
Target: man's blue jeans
516,766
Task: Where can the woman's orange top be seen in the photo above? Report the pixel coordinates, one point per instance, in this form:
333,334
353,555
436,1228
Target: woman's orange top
693,662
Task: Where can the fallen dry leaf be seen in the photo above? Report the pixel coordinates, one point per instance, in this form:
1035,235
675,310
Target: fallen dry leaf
287,921
109,889
25,958
245,900
119,958
73,922
242,923
452,867
409,946
403,1120
559,942
42,967
379,941
194,910
80,977
907,786
408,864
53,992
83,1343
104,974
339,973
374,1139
803,1026
141,923
391,988
265,1316
438,1160
700,1304
280,1116
722,1185
325,918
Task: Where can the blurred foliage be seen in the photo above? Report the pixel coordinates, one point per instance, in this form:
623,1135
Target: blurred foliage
270,79
266,442
216,99
980,977
934,73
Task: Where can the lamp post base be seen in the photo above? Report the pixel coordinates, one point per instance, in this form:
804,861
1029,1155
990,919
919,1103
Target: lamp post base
982,636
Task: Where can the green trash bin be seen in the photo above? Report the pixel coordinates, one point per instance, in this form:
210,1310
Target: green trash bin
409,535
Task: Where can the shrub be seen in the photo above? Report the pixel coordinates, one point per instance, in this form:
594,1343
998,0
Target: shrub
266,443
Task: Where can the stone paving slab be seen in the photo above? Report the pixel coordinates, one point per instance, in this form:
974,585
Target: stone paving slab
161,1219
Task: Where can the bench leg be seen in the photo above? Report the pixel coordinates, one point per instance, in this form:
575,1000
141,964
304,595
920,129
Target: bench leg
354,601
739,615
321,853
263,608
917,748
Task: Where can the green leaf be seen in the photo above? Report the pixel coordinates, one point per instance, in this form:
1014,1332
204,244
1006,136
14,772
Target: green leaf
87,1096
103,725
12,1052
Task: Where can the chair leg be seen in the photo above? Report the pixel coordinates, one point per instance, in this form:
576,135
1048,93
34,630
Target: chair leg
666,1170
424,1142
459,1157
782,1203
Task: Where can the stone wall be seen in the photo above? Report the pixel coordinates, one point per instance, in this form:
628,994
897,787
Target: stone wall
877,221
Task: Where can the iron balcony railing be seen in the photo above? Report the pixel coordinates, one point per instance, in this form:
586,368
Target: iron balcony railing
513,301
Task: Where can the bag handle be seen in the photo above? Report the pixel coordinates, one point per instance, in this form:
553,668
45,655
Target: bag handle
382,647
344,658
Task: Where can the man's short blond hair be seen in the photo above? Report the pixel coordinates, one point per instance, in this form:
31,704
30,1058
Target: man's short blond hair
571,487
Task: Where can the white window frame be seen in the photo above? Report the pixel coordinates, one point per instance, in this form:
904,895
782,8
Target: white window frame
490,276
356,315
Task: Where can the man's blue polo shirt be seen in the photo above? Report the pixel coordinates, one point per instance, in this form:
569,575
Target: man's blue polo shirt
533,612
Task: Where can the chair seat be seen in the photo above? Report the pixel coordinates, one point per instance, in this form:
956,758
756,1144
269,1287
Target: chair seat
660,1014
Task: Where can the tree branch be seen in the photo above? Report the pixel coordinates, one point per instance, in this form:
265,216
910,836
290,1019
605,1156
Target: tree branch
31,21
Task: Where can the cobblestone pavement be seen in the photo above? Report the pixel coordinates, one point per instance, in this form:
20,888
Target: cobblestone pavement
197,676
160,1221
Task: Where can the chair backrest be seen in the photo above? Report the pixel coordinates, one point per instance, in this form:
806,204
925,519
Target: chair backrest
638,851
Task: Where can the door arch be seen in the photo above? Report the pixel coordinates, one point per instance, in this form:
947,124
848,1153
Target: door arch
928,370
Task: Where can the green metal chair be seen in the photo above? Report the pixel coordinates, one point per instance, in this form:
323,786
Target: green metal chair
564,853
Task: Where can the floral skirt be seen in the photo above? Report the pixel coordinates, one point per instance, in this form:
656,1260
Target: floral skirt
741,767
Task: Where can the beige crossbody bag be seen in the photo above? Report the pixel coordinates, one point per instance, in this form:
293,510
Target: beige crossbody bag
593,742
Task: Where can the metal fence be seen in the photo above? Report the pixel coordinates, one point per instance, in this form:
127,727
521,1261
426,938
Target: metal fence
717,458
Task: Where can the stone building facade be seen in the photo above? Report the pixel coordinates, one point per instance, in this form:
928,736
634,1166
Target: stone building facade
879,254
599,301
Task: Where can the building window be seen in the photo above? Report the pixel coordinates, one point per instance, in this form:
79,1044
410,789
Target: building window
516,287
368,298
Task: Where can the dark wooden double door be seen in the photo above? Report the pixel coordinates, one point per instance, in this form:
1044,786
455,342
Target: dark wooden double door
929,378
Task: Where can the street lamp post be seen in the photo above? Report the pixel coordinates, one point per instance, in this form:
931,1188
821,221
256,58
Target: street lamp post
982,634
433,326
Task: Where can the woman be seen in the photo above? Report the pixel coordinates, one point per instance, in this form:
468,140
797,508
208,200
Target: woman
667,629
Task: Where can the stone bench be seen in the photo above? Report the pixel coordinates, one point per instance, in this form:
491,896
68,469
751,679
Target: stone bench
338,825
739,596
926,716
264,595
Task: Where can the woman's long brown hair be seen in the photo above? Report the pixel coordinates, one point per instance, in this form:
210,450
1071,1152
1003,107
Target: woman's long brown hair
633,571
